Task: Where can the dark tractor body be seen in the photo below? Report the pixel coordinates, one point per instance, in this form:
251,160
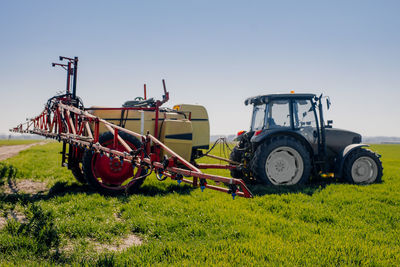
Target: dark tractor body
288,142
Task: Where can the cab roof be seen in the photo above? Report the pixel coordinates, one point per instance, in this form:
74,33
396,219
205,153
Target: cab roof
261,99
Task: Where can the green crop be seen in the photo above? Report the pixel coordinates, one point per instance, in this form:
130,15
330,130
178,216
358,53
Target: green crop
326,222
14,142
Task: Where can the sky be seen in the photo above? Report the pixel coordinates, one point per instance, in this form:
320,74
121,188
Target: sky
214,53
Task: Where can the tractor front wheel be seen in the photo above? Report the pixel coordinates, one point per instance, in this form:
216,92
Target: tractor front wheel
281,160
363,166
111,175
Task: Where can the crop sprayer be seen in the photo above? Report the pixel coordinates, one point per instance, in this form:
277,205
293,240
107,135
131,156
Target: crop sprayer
115,149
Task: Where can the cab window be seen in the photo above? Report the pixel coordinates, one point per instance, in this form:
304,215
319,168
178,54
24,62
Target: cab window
258,117
278,114
303,114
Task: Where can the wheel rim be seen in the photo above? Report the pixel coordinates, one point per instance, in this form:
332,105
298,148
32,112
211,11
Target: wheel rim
284,166
364,170
113,173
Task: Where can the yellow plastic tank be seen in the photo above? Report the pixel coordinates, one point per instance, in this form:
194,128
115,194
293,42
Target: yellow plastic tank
177,135
200,124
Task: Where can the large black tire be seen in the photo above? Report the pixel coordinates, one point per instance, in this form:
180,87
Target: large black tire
106,168
281,160
363,166
236,155
77,172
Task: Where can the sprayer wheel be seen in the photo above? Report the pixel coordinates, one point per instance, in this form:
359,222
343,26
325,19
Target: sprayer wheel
77,172
111,175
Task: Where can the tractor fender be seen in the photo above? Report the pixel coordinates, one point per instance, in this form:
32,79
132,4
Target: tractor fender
341,158
277,132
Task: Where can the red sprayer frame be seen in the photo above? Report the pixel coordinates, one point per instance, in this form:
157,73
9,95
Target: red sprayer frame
65,121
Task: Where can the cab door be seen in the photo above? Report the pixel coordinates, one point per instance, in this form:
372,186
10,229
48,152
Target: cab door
305,121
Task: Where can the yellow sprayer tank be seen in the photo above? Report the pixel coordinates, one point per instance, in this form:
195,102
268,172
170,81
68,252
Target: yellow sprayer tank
200,124
177,135
183,129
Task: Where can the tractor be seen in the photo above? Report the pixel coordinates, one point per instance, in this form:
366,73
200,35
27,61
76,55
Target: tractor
289,142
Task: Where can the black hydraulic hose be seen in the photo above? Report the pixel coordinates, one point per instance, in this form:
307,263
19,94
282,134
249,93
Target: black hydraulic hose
75,74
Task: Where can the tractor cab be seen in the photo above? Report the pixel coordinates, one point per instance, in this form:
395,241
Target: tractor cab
283,111
295,114
301,116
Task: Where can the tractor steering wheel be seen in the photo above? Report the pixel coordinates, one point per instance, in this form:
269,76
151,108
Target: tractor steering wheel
139,98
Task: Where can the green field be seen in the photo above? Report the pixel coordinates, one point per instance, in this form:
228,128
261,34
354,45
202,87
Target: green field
324,223
13,142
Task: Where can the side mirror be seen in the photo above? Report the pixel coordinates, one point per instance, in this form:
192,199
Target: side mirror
329,124
328,103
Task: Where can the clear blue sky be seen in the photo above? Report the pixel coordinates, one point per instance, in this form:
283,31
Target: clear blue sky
215,53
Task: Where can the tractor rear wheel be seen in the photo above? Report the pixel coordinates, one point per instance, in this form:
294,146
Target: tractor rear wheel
363,166
281,160
236,155
110,175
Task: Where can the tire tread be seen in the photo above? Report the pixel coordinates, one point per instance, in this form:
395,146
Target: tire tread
356,154
257,164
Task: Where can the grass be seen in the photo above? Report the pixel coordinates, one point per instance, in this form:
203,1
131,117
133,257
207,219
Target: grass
324,223
13,142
